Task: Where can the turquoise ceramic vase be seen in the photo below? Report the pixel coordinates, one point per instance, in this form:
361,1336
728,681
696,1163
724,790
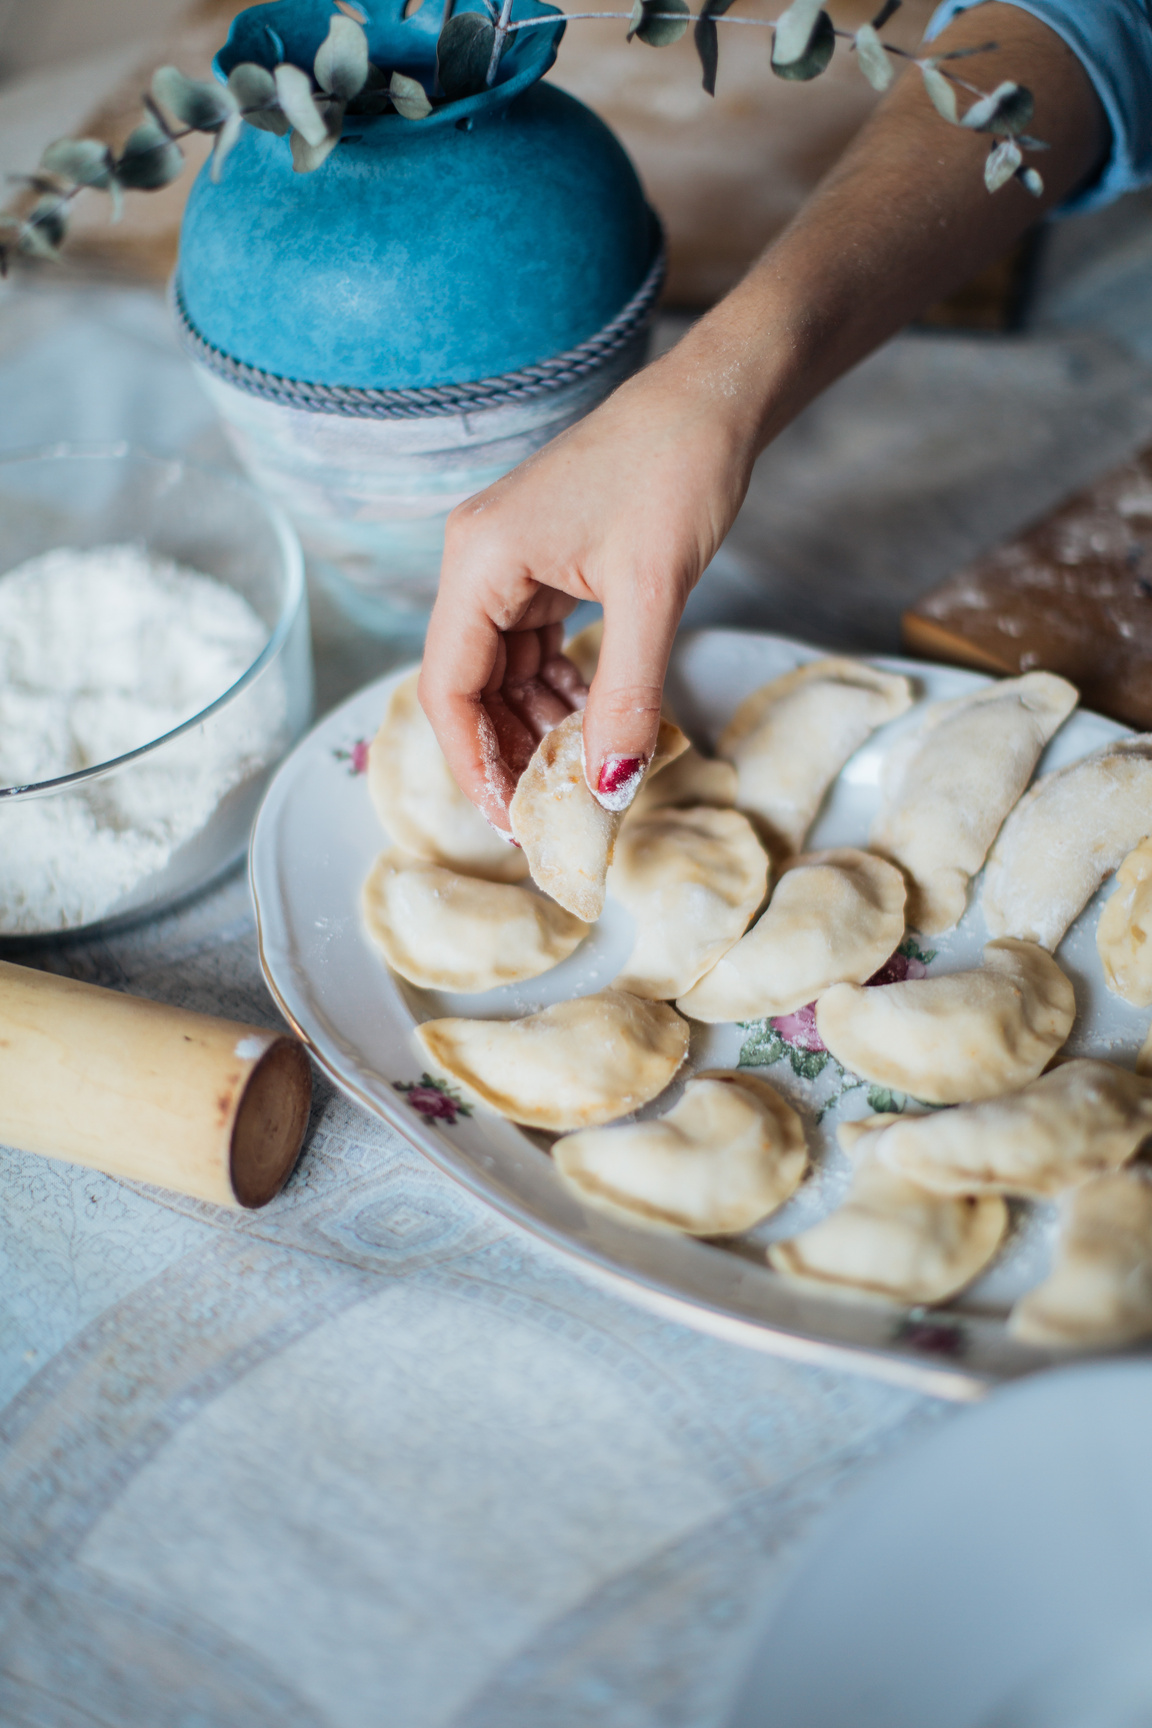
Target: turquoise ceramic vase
388,334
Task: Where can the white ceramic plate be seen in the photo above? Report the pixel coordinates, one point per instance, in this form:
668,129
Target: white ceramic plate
315,839
993,1576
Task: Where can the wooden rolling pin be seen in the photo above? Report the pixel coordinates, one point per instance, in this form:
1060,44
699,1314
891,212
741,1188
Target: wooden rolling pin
208,1107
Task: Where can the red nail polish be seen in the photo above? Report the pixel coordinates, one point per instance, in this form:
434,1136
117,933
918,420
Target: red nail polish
617,770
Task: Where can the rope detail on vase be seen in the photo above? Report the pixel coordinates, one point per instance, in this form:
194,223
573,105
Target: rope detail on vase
509,388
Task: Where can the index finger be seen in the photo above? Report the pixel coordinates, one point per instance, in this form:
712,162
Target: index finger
461,654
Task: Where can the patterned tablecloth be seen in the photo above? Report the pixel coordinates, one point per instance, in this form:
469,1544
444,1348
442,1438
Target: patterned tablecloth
372,1456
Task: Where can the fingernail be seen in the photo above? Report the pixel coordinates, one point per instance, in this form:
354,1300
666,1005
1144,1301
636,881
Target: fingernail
619,781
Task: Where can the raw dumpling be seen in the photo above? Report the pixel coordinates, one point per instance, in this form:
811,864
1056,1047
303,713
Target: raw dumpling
962,773
855,1136
1100,1289
1064,837
574,1065
691,780
1083,1119
1125,928
583,649
419,802
961,1036
691,880
567,835
728,1154
834,915
893,1239
451,932
789,740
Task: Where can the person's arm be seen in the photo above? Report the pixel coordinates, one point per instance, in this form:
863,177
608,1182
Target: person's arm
631,504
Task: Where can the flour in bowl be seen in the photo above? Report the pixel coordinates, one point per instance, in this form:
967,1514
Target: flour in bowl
102,651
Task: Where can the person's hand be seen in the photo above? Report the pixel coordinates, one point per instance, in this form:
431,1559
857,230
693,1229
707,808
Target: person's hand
627,508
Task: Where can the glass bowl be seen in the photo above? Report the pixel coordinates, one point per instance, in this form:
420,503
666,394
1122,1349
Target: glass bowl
120,839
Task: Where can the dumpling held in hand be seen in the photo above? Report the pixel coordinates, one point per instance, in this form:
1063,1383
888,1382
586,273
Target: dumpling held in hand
566,833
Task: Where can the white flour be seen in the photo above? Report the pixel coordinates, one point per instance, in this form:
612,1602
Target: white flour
102,651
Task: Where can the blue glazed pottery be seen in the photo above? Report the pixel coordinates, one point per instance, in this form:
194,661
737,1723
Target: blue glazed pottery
499,231
391,333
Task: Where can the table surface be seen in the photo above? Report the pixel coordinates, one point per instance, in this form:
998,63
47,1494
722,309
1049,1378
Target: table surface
372,1455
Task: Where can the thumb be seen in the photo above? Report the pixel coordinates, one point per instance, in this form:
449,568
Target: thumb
622,715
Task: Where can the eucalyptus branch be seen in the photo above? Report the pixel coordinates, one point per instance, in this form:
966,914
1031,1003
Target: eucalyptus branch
309,106
500,36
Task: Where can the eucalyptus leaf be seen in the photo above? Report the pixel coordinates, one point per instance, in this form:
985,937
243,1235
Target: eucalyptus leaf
707,41
202,106
45,228
1007,109
294,89
463,55
794,31
83,161
873,59
1030,181
815,57
409,97
341,64
1003,161
374,97
306,158
661,31
941,93
255,91
225,139
149,159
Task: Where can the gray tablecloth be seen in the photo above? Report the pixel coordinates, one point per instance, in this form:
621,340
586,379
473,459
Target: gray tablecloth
372,1456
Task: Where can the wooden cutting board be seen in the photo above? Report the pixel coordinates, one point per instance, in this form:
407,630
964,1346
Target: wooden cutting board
1071,594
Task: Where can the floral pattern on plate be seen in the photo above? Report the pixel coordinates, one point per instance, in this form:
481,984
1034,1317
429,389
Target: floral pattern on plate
795,1038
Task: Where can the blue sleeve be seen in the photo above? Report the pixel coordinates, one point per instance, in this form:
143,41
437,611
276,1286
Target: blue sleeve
1113,40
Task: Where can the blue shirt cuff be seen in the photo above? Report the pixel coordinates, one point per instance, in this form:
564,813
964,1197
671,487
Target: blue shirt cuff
1113,41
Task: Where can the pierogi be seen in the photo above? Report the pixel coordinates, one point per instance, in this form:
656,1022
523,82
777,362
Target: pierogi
574,1065
1124,932
957,1037
835,915
1099,1292
445,931
420,804
728,1154
691,879
566,834
1084,1119
1070,831
952,786
894,1240
691,780
789,740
